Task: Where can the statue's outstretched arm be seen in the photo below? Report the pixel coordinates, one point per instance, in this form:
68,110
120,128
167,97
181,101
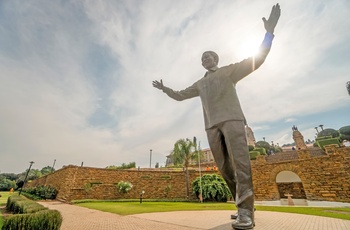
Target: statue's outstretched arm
157,84
271,23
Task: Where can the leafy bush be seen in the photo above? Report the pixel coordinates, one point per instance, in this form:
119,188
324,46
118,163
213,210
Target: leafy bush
124,186
213,188
277,149
263,144
42,191
6,184
343,137
262,151
344,133
345,130
254,154
250,147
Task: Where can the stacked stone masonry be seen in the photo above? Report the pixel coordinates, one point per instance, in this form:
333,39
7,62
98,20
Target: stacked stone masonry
324,177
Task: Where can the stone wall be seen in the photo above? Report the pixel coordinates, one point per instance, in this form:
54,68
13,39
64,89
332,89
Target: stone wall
75,183
324,177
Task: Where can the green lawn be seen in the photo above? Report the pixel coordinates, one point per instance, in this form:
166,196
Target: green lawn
3,200
129,208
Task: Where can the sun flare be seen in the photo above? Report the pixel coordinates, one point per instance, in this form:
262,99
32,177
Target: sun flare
249,48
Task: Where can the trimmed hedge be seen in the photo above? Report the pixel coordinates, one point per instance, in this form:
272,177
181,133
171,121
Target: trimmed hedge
331,141
30,215
45,219
261,150
254,154
20,205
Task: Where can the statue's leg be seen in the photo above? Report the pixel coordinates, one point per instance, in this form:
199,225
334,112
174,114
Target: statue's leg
237,148
222,158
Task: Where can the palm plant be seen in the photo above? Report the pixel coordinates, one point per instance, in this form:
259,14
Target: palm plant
184,151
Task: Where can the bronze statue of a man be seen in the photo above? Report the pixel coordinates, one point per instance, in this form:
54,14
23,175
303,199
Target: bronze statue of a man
225,121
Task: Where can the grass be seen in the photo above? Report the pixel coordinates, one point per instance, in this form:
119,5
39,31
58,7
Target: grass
3,200
129,208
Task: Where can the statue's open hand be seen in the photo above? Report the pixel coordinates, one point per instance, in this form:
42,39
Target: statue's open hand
157,84
271,23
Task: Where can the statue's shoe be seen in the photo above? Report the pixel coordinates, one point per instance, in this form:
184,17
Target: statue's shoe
243,222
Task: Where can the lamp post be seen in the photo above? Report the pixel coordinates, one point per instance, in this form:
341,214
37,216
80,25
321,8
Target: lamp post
25,178
150,158
199,168
141,194
53,166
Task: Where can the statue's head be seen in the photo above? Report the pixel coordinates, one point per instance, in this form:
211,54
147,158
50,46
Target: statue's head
209,59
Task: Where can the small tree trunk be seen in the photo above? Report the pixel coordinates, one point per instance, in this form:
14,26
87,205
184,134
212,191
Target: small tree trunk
187,185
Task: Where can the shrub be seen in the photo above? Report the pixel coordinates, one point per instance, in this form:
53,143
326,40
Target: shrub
30,215
254,154
124,186
213,186
45,219
263,144
42,191
262,151
344,133
345,130
277,149
250,148
20,204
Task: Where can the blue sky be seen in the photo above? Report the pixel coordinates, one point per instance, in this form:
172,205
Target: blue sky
76,75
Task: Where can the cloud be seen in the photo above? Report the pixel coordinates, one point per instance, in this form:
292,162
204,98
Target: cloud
291,119
77,75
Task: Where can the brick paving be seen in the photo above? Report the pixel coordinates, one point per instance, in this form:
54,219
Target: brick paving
79,218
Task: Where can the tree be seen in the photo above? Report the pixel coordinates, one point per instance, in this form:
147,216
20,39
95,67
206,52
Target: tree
344,133
9,176
263,144
328,132
47,170
123,166
6,184
184,151
32,175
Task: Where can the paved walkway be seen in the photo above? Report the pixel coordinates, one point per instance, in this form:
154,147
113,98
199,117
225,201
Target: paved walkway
79,218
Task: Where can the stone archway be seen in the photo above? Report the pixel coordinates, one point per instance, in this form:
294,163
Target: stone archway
290,182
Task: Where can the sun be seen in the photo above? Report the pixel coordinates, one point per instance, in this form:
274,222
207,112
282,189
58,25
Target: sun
249,48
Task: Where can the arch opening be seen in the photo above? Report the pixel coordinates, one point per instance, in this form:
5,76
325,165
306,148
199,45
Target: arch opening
290,183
